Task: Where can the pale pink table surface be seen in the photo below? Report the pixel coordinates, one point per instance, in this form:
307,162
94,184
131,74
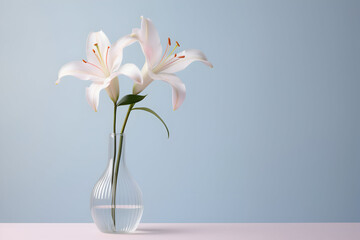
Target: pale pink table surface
185,231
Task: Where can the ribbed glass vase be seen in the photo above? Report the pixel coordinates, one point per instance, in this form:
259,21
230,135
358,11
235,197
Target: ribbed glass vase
116,200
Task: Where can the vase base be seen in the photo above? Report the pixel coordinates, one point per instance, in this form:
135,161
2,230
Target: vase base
127,218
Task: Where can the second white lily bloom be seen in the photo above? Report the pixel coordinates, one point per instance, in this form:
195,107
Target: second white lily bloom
160,66
102,67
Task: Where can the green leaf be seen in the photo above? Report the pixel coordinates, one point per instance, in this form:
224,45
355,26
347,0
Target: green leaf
155,114
130,99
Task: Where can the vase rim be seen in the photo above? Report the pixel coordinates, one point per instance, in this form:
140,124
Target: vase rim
117,134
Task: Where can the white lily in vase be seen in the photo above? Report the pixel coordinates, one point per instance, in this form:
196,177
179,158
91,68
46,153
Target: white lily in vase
160,66
102,67
116,192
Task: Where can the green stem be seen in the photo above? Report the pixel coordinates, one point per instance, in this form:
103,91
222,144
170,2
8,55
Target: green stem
112,175
127,117
114,124
114,182
114,135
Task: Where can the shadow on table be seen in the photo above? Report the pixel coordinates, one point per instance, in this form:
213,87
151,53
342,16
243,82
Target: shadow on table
159,231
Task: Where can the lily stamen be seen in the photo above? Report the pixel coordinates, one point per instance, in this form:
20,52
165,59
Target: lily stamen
167,48
97,47
92,64
103,64
171,61
177,45
97,56
165,62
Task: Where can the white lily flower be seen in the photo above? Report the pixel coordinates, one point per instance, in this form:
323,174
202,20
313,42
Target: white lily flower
102,67
160,66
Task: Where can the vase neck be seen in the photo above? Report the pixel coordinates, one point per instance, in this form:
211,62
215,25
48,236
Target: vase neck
116,146
117,135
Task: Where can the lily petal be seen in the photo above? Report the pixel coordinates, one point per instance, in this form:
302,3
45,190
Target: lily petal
103,43
130,70
116,52
113,89
146,80
149,40
80,70
178,87
93,92
191,55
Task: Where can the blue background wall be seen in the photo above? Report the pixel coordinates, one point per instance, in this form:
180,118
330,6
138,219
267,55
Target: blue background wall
270,134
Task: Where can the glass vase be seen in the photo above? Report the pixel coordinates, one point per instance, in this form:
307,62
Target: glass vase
116,200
